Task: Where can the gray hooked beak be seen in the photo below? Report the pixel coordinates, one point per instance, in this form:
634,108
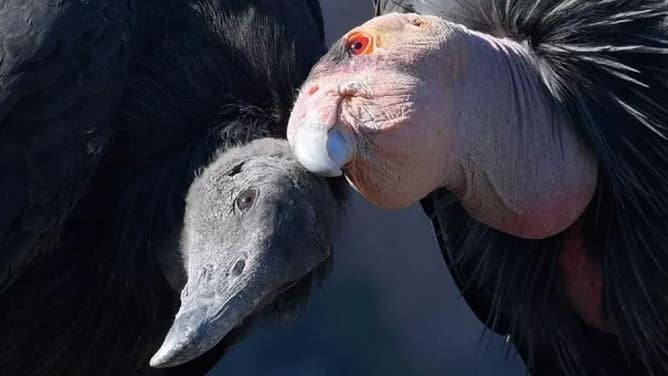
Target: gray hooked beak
320,151
219,299
209,311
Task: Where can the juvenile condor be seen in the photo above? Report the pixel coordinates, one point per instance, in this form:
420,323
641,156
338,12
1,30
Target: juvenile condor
129,178
535,134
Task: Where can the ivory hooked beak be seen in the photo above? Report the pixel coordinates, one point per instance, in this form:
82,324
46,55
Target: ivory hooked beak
321,151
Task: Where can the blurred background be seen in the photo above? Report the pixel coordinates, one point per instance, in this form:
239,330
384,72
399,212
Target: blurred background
389,306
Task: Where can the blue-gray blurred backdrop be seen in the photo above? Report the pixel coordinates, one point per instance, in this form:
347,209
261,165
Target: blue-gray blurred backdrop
389,307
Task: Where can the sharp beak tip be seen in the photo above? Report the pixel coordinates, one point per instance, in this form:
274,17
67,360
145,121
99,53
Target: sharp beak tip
182,343
174,353
164,357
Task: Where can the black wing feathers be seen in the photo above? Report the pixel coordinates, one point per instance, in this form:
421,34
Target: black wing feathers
61,70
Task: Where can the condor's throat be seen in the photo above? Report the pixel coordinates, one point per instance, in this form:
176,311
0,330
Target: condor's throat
521,165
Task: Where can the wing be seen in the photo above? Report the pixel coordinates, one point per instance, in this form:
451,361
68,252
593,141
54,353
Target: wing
449,221
61,69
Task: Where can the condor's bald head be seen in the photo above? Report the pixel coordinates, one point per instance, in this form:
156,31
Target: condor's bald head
406,104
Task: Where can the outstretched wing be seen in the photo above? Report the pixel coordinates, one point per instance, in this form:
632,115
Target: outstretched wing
62,64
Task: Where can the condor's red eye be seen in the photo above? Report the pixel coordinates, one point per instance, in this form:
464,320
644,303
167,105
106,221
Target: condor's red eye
360,43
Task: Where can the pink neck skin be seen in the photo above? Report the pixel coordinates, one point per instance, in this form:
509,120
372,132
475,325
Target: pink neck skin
520,166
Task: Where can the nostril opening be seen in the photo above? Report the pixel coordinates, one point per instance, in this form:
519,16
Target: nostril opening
416,21
312,90
238,268
206,273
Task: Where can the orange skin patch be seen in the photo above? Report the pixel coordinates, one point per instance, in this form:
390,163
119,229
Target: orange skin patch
360,43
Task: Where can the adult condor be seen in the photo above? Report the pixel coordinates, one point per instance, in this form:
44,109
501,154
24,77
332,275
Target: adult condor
142,172
535,135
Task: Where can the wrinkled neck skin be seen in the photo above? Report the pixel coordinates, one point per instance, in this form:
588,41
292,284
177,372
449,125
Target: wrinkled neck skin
517,165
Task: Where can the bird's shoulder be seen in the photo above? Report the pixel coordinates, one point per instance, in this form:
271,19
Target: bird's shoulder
62,66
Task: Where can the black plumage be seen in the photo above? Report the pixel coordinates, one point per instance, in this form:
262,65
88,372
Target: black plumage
107,111
605,64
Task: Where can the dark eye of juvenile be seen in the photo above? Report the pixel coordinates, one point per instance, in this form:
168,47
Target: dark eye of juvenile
246,199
